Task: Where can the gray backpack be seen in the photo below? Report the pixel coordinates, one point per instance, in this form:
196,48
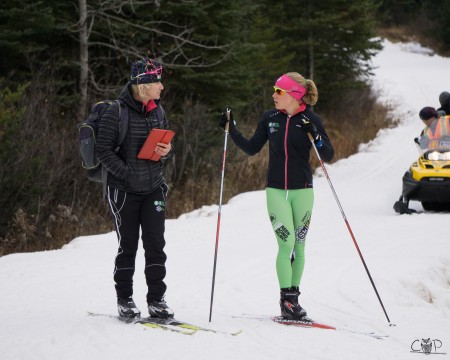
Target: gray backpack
88,130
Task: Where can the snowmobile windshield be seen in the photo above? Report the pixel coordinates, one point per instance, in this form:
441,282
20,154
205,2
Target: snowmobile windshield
435,141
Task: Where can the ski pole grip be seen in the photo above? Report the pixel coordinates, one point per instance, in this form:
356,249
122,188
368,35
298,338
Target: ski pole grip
227,125
310,137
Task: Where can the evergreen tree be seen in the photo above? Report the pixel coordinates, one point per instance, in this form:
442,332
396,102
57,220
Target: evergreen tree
331,41
438,12
33,35
398,12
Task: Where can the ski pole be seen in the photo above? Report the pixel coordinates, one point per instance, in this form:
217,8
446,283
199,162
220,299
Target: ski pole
348,226
219,212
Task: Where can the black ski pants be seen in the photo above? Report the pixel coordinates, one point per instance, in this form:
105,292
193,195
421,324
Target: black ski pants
134,212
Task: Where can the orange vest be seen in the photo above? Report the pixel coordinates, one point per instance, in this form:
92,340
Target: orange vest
439,128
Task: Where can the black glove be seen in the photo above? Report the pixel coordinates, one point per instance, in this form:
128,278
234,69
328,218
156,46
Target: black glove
223,120
308,127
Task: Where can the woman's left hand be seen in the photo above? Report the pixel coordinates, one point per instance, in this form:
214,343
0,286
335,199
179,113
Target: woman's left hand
163,149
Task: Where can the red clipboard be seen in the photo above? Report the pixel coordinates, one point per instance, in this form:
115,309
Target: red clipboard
147,151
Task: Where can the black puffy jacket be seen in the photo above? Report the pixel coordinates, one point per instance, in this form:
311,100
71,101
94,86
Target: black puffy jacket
289,147
126,171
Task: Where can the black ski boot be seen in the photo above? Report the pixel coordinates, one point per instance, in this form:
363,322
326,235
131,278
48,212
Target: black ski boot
127,308
159,309
290,308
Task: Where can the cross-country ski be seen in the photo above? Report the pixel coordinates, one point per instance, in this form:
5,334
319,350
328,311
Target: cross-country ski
167,324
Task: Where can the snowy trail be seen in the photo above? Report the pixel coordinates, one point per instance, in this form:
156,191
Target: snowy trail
47,295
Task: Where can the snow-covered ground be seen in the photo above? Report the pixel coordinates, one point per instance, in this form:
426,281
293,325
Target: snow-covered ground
45,296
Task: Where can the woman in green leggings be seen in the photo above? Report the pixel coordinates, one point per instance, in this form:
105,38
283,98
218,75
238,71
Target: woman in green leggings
289,188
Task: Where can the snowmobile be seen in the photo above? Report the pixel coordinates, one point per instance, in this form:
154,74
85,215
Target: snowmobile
428,178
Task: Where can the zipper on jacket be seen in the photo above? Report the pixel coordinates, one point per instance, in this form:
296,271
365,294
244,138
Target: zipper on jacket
286,156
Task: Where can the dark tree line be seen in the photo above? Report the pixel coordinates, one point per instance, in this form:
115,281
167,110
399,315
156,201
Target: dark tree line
59,57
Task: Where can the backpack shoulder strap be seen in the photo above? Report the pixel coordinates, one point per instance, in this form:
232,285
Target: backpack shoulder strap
161,116
123,121
123,128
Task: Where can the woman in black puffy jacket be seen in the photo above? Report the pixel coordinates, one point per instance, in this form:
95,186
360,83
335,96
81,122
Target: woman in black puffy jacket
136,188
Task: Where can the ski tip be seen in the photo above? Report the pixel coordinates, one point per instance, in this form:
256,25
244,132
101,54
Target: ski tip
304,323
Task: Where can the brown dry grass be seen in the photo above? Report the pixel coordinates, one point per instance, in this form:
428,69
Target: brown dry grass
414,32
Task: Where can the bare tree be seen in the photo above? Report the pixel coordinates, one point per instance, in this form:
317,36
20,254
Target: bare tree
84,58
179,41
